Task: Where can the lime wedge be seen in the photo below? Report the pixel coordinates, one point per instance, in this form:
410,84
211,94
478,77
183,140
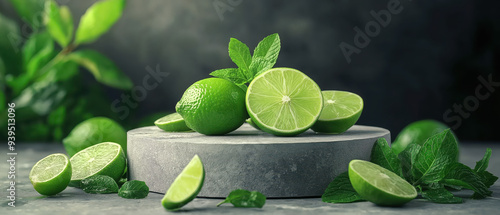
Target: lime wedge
379,185
341,110
186,186
51,175
172,122
105,158
284,101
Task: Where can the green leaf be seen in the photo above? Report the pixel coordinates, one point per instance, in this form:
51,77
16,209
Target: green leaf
340,190
441,196
407,158
10,43
482,165
59,22
134,190
461,175
2,101
98,19
99,184
103,69
30,11
232,74
40,97
268,49
258,66
37,52
245,199
487,178
2,75
435,155
61,71
56,117
383,155
240,54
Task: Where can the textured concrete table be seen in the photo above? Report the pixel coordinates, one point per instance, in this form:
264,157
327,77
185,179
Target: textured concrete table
74,201
300,166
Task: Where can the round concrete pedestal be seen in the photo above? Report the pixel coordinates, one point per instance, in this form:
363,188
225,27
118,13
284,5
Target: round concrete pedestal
278,167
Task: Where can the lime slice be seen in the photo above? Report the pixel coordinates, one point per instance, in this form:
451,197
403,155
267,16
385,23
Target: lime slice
186,186
379,185
341,110
284,101
105,158
51,175
172,122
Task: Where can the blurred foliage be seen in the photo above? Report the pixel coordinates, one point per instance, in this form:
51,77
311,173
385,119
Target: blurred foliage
40,71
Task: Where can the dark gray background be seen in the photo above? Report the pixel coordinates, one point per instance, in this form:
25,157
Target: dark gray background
426,59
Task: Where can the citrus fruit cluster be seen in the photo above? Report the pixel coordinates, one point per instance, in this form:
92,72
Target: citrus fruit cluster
280,101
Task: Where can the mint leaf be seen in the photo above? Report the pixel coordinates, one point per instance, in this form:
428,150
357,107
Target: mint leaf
487,178
30,11
407,158
98,19
245,199
340,190
103,69
441,195
258,66
383,155
99,184
240,54
461,175
134,190
59,22
482,165
435,155
231,74
268,49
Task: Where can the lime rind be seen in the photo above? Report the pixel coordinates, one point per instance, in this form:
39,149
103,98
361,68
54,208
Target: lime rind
84,165
186,185
284,101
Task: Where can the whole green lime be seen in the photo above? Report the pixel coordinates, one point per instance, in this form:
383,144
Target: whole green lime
213,106
93,131
417,132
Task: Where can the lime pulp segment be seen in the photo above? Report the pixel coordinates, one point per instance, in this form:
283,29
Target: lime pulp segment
284,101
186,186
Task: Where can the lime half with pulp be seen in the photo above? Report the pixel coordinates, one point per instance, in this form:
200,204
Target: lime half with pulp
186,186
379,185
341,110
51,175
284,101
172,122
105,158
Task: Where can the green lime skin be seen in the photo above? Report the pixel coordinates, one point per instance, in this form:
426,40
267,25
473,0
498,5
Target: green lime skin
93,131
213,106
42,179
418,132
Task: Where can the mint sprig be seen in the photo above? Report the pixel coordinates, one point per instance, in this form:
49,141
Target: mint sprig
245,199
430,167
264,57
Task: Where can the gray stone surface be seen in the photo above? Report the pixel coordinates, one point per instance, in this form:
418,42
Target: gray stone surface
247,158
74,201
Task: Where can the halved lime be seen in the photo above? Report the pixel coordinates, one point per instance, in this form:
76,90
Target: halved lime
172,122
379,185
284,101
186,186
51,174
105,158
341,110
